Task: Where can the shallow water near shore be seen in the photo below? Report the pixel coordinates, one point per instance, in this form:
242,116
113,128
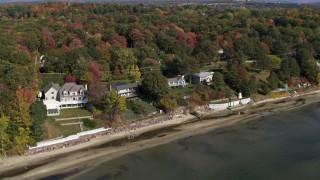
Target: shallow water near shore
285,145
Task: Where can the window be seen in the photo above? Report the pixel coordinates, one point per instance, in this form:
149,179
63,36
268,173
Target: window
65,93
81,92
52,97
74,99
79,98
52,92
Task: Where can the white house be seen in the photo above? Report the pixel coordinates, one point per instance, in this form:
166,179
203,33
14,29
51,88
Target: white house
126,90
178,81
70,95
203,77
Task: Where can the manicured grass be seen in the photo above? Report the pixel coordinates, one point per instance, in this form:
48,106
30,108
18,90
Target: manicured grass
73,112
70,130
55,78
185,89
54,128
129,115
51,131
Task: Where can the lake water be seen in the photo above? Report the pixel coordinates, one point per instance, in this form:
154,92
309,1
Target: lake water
281,146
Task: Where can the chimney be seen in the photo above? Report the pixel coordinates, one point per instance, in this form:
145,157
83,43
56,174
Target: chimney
86,87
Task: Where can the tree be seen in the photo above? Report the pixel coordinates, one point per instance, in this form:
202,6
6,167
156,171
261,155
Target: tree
69,78
289,68
21,141
218,81
273,62
135,72
154,85
253,85
114,103
168,103
4,138
273,81
264,88
97,93
124,59
96,72
80,67
188,66
310,70
38,114
307,64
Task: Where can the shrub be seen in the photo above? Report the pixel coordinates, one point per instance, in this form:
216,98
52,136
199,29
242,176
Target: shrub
168,104
274,95
135,107
138,109
89,123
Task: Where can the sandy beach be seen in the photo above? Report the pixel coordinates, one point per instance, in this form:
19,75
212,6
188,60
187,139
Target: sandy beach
88,155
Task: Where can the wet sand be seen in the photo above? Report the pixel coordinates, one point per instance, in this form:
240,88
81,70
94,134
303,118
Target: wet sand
88,155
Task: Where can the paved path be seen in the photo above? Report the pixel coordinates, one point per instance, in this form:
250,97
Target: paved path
81,117
75,123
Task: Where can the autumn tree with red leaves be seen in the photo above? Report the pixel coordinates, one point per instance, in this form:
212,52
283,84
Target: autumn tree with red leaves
69,78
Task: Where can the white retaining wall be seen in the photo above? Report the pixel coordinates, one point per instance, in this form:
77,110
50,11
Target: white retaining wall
225,105
69,138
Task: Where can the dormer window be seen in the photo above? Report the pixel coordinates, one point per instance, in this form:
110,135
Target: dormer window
65,93
81,92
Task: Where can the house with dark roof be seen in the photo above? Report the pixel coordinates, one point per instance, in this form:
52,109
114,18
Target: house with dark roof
51,91
178,81
70,95
126,90
202,77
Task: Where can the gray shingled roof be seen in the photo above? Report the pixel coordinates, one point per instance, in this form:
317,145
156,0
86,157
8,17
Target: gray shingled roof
71,87
175,79
119,87
51,85
203,74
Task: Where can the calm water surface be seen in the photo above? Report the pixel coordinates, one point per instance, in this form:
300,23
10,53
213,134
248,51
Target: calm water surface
281,146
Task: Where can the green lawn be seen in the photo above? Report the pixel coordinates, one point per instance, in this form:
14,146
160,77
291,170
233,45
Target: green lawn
64,130
55,78
129,115
73,112
55,129
70,130
185,89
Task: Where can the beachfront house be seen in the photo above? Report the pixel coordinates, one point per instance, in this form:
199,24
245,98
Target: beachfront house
202,77
126,90
70,95
178,81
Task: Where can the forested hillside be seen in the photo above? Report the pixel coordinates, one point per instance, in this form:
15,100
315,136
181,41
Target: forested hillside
94,43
